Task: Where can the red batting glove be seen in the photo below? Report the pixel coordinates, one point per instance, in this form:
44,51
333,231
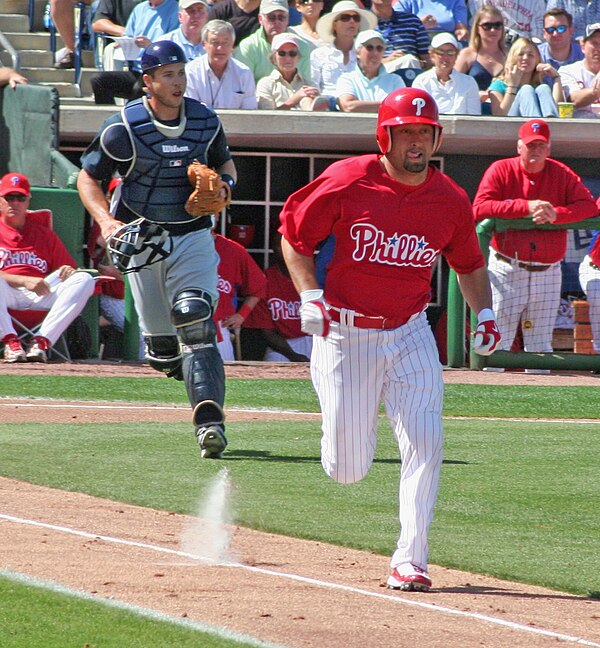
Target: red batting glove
487,336
314,317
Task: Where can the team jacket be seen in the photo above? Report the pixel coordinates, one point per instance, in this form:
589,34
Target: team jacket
388,236
35,251
504,192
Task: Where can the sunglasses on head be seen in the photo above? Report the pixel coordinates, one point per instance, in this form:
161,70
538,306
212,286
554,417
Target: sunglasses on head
17,197
561,29
292,53
488,26
377,48
349,17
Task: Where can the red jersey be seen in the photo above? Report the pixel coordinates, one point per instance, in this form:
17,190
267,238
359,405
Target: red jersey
35,251
280,310
388,236
503,193
239,275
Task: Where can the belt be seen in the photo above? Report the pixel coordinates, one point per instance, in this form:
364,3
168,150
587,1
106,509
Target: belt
352,318
525,266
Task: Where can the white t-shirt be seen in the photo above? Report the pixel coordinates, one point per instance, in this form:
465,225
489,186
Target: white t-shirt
577,77
458,96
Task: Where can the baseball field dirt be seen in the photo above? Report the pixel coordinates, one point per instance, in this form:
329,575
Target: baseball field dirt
293,592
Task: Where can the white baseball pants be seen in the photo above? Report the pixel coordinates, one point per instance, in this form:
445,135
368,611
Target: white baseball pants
352,370
589,278
64,303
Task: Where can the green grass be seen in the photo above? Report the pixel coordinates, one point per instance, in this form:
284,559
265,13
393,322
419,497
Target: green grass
502,401
34,618
517,500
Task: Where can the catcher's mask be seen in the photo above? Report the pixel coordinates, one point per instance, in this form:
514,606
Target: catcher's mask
140,237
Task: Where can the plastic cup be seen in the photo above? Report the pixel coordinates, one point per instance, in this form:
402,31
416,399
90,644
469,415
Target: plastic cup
565,110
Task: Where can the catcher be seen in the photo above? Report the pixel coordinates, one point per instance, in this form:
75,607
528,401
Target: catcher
160,232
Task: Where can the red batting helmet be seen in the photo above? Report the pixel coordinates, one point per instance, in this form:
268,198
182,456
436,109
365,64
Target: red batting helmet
407,106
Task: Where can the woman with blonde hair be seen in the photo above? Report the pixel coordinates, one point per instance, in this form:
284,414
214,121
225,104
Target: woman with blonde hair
485,55
520,90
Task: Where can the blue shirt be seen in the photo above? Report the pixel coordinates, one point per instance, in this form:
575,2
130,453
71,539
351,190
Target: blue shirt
575,54
446,12
152,22
404,31
190,50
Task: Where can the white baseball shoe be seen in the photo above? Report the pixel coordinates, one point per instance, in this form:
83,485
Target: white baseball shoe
13,351
409,578
212,441
38,351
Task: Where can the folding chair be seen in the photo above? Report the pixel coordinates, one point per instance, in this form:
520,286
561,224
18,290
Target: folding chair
28,322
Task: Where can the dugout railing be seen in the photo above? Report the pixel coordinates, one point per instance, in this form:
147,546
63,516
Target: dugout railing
457,313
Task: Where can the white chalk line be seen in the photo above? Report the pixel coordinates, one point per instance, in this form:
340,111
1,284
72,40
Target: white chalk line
43,403
311,581
148,613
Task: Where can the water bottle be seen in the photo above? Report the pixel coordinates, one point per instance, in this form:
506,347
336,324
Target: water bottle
47,17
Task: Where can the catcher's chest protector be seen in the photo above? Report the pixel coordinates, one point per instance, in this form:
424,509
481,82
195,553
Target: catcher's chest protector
157,186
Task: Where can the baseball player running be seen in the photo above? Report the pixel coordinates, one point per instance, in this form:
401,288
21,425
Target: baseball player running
170,254
392,215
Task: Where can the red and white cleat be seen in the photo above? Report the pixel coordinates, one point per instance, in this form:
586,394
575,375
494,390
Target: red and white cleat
409,578
38,352
13,351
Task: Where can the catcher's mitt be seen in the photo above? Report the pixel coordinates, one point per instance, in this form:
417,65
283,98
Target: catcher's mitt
207,197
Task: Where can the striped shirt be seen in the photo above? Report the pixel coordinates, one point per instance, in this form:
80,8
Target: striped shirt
404,31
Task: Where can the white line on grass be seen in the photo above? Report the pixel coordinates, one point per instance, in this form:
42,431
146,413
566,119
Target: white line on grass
15,402
148,613
311,581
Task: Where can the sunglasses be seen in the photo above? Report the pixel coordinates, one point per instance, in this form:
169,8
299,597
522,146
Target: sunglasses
277,17
441,52
377,48
349,17
15,197
292,53
488,26
561,29
310,1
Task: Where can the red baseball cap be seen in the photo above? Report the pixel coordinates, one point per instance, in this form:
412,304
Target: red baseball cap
534,129
14,183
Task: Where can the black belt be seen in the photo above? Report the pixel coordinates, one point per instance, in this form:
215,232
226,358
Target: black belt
520,264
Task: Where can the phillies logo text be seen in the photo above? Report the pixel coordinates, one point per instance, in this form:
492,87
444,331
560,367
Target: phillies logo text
22,257
397,250
283,310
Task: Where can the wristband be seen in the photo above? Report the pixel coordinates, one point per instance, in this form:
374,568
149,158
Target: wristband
228,180
485,314
244,311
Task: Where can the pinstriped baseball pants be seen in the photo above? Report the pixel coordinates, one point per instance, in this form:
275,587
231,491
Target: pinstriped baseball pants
353,370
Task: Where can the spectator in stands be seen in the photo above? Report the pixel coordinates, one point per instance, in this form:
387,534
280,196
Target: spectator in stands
339,30
439,15
10,77
581,80
284,88
110,18
455,93
36,273
589,278
277,316
520,91
407,42
216,78
485,56
148,22
192,15
310,10
524,265
559,46
61,12
241,286
242,14
363,89
255,49
523,18
583,13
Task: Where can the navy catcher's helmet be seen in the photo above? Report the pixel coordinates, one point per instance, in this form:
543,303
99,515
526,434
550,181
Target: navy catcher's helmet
162,53
152,242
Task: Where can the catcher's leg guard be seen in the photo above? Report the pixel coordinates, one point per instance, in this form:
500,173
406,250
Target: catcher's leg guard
203,371
163,354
